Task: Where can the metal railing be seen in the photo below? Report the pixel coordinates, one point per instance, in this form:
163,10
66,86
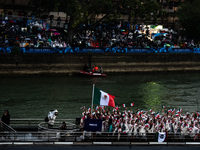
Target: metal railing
73,134
7,131
65,136
5,127
29,122
43,126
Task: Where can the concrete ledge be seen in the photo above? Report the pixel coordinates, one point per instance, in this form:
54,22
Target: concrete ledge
102,143
121,143
139,143
6,143
64,143
43,143
23,143
157,143
192,143
82,143
176,143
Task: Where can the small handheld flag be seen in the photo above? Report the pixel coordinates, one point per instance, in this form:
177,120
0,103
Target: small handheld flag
180,110
157,115
147,125
138,113
132,104
116,108
83,107
170,110
173,111
163,107
124,105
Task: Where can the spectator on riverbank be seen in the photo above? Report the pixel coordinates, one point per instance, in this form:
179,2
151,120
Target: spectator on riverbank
102,35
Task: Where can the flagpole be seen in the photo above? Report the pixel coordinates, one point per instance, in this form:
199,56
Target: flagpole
92,97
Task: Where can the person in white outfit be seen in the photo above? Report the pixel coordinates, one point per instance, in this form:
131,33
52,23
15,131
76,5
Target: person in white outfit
52,117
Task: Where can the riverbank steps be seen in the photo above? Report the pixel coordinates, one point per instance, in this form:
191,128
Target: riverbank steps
68,64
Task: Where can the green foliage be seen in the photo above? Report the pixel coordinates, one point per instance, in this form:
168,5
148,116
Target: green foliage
79,11
189,18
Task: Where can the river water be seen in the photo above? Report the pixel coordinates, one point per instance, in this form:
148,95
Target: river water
34,96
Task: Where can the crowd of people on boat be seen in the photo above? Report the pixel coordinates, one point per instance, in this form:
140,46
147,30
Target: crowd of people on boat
34,33
141,123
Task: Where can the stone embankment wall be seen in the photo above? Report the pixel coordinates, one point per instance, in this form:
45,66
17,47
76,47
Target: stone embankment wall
52,64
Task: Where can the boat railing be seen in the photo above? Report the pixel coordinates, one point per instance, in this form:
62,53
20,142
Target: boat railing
57,127
65,136
7,130
4,127
30,122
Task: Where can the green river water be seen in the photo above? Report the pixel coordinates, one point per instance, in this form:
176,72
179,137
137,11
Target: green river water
34,96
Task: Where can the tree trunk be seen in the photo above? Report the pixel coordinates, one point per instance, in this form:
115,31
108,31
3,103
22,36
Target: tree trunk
70,31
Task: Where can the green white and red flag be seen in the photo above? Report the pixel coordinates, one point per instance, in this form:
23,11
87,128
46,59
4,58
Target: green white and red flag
102,98
173,111
157,116
116,108
169,110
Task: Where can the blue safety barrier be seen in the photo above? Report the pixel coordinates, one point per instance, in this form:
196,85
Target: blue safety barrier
101,50
182,50
41,50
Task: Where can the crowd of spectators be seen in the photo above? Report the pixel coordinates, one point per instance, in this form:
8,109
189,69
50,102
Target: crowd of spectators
36,33
29,33
141,123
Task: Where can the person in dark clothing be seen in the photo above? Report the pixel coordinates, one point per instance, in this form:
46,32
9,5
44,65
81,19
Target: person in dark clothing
86,68
63,126
6,117
58,21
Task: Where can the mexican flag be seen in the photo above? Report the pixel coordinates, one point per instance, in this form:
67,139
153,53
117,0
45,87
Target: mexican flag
102,98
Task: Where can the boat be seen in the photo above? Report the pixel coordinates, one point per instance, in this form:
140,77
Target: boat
92,74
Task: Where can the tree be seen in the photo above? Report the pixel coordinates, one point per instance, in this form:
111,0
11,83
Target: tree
189,18
143,9
149,11
80,11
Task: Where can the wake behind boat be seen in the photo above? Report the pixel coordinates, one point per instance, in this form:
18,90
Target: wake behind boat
92,74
